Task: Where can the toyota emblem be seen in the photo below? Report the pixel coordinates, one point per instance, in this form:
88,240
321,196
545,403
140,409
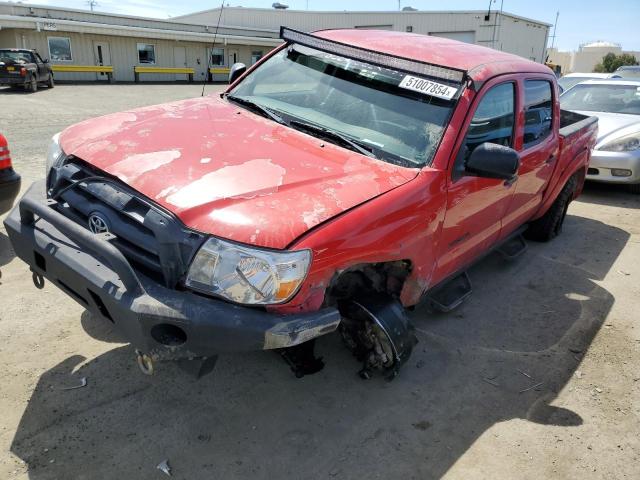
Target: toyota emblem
97,223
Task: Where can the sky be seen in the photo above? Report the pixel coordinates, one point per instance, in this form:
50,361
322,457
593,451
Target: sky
579,21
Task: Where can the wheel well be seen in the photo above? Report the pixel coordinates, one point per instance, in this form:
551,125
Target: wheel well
384,277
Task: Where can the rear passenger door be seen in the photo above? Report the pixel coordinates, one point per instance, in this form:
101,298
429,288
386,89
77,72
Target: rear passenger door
538,144
476,205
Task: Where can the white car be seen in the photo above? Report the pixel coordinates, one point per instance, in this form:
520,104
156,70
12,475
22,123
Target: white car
616,103
570,79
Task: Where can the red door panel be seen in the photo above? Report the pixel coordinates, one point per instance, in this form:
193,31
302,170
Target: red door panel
538,151
476,206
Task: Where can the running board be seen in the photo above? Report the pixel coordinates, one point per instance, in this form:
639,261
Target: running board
513,248
451,294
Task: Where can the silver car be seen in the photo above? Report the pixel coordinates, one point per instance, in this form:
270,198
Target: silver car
616,103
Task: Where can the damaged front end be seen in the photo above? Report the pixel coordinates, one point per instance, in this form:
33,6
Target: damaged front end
161,323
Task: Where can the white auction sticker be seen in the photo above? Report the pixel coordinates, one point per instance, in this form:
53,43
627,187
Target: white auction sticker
428,87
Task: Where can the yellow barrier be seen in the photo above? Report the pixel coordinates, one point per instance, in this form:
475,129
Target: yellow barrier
163,70
219,70
83,68
137,70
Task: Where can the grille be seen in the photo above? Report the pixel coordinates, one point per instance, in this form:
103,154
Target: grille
151,238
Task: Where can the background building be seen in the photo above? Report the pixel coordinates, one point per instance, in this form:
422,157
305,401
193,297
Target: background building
82,38
499,30
587,56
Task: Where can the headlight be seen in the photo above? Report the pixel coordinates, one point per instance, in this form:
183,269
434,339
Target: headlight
55,155
247,275
623,144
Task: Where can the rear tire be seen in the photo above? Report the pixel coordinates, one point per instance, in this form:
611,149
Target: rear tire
50,82
32,87
550,224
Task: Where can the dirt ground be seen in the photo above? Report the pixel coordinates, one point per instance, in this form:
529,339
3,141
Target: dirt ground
564,316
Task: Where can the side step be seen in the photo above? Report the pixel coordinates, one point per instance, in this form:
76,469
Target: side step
513,247
451,294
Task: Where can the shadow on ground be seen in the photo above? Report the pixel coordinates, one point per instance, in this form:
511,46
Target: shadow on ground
608,194
252,419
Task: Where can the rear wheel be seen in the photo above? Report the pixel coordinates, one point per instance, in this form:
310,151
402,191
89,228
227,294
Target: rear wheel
50,82
33,85
550,224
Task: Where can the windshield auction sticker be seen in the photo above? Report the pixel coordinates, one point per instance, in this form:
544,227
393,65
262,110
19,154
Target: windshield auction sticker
428,87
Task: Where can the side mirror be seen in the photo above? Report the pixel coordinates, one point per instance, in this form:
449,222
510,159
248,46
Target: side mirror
493,161
237,69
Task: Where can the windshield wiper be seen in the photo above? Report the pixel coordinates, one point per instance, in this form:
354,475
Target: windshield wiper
323,132
256,107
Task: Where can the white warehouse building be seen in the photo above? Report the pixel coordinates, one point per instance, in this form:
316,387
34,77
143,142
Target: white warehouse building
87,46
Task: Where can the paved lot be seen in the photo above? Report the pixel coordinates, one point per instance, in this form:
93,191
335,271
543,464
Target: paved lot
565,315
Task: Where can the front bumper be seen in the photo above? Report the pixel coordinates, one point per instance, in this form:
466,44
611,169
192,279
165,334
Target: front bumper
161,322
9,189
602,162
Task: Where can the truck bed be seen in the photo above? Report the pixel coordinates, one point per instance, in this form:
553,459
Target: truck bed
571,122
578,135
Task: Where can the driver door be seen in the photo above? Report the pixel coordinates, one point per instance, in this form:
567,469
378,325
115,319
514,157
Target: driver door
477,205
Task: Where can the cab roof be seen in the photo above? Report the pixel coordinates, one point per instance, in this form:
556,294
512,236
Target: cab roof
480,63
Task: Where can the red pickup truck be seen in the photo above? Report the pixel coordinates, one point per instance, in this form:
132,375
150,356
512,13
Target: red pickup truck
347,176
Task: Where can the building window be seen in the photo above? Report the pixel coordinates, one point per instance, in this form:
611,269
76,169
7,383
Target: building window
538,111
255,56
217,56
146,53
60,49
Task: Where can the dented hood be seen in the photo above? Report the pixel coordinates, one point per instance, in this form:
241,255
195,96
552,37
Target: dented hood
226,171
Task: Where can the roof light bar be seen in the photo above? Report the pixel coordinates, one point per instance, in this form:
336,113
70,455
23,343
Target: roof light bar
370,56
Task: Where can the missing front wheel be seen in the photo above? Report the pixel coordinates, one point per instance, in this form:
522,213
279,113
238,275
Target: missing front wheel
378,333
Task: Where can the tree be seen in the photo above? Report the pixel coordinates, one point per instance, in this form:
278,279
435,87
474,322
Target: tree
611,62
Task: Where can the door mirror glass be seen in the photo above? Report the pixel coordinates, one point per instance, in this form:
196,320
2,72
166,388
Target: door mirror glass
491,160
237,69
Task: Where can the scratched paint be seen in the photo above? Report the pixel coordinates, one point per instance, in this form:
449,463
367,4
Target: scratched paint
253,178
135,166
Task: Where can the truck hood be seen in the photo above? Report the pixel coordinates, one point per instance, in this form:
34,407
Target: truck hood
225,171
609,124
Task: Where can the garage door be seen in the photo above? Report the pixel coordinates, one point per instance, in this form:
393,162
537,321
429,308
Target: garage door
467,37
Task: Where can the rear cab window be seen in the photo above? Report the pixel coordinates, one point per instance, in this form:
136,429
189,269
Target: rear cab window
538,111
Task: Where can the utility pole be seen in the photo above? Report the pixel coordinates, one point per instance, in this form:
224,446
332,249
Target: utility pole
92,4
399,6
555,25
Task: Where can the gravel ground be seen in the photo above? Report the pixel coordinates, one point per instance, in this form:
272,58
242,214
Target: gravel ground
563,316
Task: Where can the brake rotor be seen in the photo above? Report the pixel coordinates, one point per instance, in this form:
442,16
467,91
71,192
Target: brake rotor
378,332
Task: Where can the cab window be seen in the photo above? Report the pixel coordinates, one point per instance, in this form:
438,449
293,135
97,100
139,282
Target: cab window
493,120
538,111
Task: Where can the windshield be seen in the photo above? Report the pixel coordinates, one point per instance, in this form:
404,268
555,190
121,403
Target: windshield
359,101
13,56
603,98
